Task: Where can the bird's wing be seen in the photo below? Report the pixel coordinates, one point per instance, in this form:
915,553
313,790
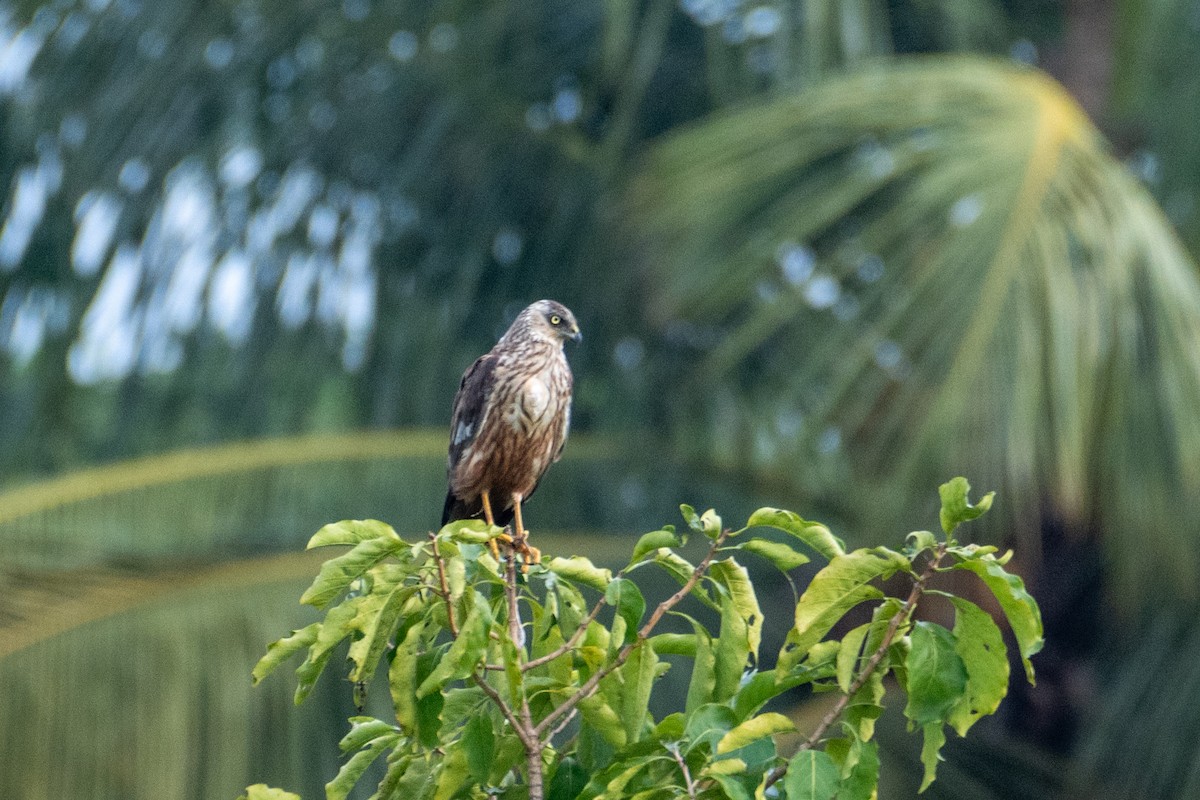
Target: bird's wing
565,425
470,405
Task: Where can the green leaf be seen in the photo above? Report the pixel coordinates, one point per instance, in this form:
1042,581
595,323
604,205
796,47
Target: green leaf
703,680
980,645
654,540
865,707
260,791
691,518
919,541
465,652
570,606
569,780
338,573
931,749
754,729
352,532
376,622
761,687
710,524
863,780
479,745
363,730
429,708
937,678
638,673
675,644
726,766
414,779
734,786
839,587
339,788
624,595
814,534
847,656
602,718
581,570
732,652
811,775
617,787
402,677
736,582
453,773
956,509
398,763
283,649
783,556
472,531
337,626
1024,616
708,724
671,727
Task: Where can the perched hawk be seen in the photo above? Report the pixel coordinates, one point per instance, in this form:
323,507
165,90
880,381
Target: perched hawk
510,419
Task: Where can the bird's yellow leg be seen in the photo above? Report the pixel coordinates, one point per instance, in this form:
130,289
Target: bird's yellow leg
522,535
491,520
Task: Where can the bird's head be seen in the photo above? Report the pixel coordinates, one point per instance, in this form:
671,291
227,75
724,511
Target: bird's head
552,321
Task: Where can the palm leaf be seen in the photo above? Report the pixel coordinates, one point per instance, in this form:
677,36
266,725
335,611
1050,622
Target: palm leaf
1142,741
934,268
259,496
130,615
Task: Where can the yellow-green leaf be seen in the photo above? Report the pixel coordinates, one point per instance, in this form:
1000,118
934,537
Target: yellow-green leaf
980,645
754,729
352,532
814,534
283,649
1024,616
581,570
338,573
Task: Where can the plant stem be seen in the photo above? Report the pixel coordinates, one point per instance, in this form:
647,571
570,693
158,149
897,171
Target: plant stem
527,732
441,568
898,619
683,767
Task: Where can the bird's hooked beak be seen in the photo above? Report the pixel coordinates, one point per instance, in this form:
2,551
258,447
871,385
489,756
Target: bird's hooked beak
575,336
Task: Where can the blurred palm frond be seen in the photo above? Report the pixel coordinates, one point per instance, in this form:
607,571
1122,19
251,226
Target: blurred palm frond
1143,741
934,268
136,601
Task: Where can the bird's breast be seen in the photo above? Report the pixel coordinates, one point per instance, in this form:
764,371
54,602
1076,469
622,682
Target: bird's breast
532,401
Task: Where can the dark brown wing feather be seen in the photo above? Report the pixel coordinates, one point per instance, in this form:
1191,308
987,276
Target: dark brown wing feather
470,404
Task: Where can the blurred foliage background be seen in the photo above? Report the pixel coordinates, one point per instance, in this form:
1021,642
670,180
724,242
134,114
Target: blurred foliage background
826,254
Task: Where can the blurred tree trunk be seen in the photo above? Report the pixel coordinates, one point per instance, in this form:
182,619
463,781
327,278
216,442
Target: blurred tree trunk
1082,59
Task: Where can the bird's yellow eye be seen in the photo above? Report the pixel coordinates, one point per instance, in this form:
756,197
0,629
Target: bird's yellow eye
555,319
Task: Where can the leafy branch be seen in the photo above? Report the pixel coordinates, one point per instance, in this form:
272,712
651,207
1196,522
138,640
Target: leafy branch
481,696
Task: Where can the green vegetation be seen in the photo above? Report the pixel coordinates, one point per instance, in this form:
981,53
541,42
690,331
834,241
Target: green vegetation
515,684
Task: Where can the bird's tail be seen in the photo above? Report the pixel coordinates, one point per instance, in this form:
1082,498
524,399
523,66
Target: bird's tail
457,508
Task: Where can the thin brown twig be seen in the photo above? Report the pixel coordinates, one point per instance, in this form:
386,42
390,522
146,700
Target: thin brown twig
530,738
589,687
562,724
516,631
872,664
687,774
570,643
441,568
505,709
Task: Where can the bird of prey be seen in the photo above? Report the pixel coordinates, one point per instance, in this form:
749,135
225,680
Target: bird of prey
510,421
